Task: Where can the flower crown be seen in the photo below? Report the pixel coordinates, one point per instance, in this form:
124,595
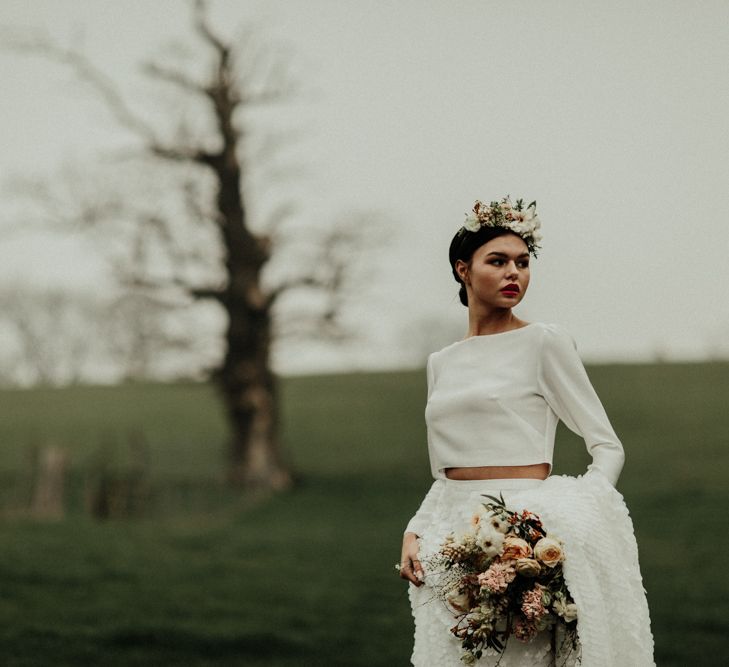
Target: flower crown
522,221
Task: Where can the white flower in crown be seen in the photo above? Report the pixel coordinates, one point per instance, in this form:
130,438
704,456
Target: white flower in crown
472,223
523,221
531,218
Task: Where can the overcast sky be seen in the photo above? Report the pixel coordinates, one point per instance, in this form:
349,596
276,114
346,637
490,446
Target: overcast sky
612,115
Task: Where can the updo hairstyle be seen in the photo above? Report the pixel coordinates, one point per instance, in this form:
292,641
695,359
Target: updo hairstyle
465,243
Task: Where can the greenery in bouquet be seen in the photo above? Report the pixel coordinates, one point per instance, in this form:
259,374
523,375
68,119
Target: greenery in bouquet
502,577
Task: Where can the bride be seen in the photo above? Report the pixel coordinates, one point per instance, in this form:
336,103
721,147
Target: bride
494,400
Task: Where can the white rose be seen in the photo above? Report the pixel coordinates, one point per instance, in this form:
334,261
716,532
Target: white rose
472,224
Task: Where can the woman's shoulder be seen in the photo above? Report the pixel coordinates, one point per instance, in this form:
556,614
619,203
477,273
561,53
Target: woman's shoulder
558,334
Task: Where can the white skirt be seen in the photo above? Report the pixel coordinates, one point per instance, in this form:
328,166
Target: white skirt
601,570
435,645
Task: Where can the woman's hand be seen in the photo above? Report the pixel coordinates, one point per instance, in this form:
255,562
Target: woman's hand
410,567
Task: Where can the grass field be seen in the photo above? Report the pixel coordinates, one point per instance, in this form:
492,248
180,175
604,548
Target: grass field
306,578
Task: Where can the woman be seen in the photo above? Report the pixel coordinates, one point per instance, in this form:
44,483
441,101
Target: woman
494,401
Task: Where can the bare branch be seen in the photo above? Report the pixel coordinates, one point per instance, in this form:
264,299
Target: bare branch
133,273
301,325
180,79
275,219
138,283
201,24
184,155
272,83
333,274
112,98
53,332
47,48
305,281
63,204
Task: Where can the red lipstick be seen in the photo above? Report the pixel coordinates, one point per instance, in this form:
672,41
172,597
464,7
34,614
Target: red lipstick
511,289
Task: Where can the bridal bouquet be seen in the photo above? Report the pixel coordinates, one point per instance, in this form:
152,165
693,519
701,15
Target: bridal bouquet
503,577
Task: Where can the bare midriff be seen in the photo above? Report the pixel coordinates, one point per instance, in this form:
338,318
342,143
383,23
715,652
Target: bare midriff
533,471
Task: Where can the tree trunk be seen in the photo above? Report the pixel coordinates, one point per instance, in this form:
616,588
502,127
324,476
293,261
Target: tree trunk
250,394
247,383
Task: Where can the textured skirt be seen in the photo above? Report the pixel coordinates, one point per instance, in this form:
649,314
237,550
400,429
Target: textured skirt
435,645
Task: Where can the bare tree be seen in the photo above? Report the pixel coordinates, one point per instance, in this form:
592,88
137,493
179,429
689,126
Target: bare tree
50,334
215,166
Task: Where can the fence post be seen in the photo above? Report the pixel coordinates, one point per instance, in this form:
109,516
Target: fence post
49,483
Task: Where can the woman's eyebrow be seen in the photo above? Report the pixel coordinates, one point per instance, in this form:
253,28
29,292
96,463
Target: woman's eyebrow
503,254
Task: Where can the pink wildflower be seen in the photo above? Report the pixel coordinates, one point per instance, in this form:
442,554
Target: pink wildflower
523,629
498,577
531,603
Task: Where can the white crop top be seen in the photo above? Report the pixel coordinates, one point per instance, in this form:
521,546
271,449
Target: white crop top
496,400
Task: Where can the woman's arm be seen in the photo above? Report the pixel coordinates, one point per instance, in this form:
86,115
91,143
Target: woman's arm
565,385
410,567
424,514
423,517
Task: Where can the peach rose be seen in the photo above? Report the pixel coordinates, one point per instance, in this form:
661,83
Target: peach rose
515,548
549,551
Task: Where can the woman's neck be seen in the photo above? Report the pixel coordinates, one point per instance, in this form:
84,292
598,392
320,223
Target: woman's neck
494,322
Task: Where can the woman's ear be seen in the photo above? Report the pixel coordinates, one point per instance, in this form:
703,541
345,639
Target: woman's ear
462,270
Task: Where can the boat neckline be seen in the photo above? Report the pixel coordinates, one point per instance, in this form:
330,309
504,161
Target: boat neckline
498,333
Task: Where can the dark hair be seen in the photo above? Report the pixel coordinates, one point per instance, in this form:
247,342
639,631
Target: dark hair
465,243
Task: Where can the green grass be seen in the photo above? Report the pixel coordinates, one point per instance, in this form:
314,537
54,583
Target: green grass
306,577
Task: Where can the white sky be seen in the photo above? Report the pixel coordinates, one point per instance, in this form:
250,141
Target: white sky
611,115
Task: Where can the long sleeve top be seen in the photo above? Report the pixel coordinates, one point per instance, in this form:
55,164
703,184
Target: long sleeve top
496,400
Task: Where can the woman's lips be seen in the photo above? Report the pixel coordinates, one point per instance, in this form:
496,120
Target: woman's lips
511,291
